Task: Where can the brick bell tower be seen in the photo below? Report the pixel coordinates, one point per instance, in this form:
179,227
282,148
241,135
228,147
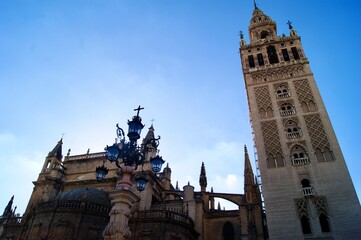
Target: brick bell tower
308,192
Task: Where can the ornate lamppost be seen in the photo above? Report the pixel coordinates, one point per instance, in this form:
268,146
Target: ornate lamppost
131,155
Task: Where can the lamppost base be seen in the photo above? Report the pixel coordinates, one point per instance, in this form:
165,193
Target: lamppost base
122,198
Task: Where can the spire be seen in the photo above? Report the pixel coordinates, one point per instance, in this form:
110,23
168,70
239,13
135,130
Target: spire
203,178
248,176
247,163
255,4
8,207
150,134
57,151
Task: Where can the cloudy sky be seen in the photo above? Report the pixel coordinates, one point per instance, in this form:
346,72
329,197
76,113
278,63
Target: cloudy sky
79,67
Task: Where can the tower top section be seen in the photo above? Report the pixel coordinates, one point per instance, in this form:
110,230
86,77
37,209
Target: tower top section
261,26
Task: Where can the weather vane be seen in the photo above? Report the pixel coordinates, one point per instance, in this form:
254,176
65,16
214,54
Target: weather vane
255,4
240,34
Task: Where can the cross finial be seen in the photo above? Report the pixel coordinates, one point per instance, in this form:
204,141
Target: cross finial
138,109
240,34
152,120
289,25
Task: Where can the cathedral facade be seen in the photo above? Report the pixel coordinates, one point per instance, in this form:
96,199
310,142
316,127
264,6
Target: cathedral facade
69,203
307,189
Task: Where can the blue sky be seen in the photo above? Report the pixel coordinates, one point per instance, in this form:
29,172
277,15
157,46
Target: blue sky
79,67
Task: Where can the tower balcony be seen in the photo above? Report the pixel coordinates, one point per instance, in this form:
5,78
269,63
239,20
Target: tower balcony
300,161
283,95
292,135
287,112
307,191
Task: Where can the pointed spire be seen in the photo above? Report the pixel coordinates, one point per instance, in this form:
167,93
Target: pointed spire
8,207
203,178
255,4
176,186
150,134
248,176
57,151
247,163
219,206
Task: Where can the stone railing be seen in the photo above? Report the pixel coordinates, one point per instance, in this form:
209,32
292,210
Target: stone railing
163,215
287,112
73,204
300,161
307,191
283,95
291,135
85,156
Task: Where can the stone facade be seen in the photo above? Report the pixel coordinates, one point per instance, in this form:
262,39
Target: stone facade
68,203
307,188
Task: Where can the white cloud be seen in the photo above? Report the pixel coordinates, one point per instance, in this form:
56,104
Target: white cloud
224,163
7,138
21,172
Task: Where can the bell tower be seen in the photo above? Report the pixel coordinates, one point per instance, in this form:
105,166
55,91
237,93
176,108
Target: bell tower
307,189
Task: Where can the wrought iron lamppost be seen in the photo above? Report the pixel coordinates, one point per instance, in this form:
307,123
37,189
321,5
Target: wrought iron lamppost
131,155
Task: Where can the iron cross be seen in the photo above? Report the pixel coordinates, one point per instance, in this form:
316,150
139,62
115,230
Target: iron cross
138,109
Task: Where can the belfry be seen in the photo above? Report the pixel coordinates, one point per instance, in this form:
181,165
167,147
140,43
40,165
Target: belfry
308,192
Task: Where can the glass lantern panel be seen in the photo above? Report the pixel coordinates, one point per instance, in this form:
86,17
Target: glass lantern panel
141,182
157,163
112,153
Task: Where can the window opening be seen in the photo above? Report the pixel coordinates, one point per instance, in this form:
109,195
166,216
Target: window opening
292,130
286,57
287,110
306,188
272,54
264,34
282,91
260,59
228,231
305,223
295,53
325,226
251,61
299,156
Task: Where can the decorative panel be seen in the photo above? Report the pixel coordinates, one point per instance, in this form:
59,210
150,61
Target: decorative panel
316,131
271,138
303,91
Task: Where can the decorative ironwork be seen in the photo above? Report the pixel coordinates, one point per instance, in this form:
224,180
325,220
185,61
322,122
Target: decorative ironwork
130,153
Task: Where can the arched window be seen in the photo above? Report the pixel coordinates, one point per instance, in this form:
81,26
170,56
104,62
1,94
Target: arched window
324,156
262,113
279,160
228,231
299,156
271,163
269,112
319,155
272,54
305,183
328,154
292,130
287,109
325,226
306,187
305,223
264,34
304,107
312,106
282,91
